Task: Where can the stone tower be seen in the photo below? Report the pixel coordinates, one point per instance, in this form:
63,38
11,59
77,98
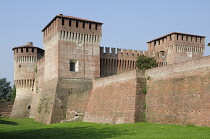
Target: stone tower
72,59
25,58
175,47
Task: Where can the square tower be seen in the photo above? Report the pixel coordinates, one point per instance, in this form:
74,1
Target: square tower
176,47
72,48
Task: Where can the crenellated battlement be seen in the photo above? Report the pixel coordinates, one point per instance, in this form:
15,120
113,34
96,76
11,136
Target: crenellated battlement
117,51
117,60
72,24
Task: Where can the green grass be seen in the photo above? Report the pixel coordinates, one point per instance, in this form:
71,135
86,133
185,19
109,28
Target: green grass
28,129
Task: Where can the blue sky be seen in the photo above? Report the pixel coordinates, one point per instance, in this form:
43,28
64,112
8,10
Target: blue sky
127,23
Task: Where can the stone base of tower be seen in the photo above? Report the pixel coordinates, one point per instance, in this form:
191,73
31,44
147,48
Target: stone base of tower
22,104
59,96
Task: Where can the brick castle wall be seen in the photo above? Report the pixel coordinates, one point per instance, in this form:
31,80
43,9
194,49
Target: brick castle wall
114,99
179,93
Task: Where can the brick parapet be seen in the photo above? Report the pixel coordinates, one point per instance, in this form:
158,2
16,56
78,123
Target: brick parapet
178,68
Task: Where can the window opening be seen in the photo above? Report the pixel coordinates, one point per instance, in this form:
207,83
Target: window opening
73,65
89,25
62,21
76,23
69,22
96,27
83,24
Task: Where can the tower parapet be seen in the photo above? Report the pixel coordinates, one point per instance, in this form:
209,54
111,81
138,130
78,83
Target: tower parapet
175,47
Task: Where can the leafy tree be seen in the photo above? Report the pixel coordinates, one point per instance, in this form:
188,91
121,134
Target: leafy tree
144,62
13,94
5,90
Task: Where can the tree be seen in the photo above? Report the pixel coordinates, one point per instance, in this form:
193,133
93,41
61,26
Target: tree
144,62
13,94
5,90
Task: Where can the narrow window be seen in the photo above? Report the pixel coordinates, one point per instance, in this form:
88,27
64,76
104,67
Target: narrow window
77,23
186,38
32,50
69,22
96,27
89,25
195,39
29,107
62,21
182,37
16,50
26,49
83,24
177,37
73,65
21,50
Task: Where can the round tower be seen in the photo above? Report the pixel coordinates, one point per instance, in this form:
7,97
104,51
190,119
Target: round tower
25,58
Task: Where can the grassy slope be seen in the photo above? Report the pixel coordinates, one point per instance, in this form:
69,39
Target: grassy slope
27,128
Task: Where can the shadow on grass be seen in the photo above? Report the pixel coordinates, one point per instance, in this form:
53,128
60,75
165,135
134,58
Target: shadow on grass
7,122
87,132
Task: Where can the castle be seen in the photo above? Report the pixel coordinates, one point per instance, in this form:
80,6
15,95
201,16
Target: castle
74,76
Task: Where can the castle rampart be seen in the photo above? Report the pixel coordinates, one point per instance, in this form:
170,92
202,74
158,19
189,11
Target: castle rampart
178,93
118,60
113,99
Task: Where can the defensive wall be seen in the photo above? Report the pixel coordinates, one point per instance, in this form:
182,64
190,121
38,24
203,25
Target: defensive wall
175,94
117,99
179,93
115,60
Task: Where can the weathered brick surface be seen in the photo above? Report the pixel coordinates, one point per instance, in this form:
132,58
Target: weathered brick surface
113,99
6,108
71,94
179,93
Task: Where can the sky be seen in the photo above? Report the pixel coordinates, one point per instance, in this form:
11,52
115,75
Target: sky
128,24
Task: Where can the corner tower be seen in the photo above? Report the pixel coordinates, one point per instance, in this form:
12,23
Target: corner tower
25,58
175,47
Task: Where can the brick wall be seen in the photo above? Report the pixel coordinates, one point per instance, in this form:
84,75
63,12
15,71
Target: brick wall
179,93
115,99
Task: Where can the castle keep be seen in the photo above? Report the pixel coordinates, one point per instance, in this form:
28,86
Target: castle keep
64,81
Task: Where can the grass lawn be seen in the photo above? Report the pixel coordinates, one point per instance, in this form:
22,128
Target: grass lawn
27,128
